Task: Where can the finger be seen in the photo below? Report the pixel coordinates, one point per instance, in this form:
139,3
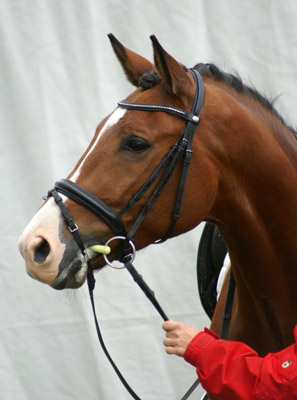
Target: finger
178,351
169,346
169,342
170,334
169,325
170,350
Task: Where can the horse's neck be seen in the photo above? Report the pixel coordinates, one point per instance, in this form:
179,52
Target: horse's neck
257,215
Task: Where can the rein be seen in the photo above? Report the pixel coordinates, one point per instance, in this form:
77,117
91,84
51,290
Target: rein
91,286
126,250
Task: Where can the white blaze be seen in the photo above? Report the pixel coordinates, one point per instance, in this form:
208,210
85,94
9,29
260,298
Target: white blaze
112,120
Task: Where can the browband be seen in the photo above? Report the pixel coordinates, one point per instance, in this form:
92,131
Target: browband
193,116
159,107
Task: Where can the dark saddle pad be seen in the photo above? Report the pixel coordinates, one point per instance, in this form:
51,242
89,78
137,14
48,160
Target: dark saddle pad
211,254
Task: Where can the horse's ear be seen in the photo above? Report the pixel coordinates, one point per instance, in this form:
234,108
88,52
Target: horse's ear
175,77
133,64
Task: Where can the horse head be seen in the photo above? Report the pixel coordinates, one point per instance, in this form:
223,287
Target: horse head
127,147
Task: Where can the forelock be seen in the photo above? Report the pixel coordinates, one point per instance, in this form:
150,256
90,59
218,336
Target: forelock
148,80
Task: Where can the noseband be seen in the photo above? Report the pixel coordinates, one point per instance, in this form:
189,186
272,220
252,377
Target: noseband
181,149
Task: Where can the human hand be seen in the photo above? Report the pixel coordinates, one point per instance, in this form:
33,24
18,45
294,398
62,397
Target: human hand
178,337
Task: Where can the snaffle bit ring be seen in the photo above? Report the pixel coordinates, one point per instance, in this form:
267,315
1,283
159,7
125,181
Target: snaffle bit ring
131,255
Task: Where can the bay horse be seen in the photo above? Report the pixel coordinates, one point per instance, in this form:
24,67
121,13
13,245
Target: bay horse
242,177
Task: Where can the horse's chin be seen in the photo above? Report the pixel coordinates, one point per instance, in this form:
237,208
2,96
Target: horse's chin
73,273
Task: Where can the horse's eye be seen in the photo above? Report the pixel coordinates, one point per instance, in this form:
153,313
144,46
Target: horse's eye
135,144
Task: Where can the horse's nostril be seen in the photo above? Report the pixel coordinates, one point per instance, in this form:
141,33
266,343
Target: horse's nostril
41,252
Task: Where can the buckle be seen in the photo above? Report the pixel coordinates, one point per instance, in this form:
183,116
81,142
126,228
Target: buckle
73,229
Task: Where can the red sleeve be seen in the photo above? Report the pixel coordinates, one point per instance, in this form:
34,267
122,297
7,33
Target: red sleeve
232,370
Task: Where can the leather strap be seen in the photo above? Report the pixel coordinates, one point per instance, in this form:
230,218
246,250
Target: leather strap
183,147
93,203
228,307
161,108
69,220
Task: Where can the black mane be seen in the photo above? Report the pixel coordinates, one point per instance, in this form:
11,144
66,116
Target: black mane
235,82
150,79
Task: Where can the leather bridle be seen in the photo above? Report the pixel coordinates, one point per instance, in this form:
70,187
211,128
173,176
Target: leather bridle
182,149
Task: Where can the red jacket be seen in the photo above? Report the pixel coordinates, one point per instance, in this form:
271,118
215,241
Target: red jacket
232,370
